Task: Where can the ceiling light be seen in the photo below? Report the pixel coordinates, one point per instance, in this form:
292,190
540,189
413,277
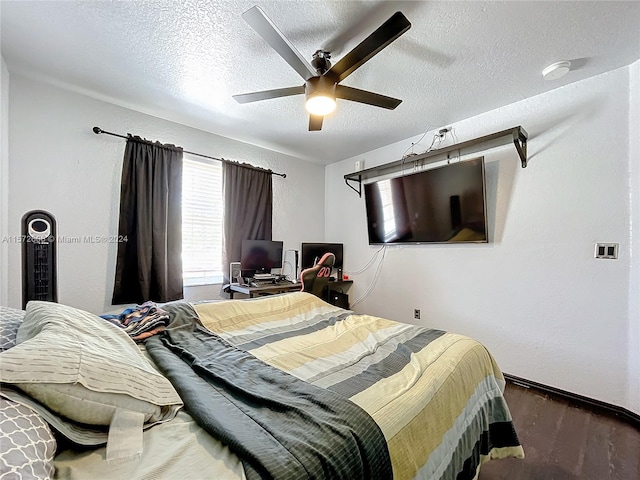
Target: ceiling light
320,104
321,95
556,70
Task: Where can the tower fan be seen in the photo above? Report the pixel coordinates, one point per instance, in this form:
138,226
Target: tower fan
39,276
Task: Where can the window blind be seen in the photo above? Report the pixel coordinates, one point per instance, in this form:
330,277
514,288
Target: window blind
202,213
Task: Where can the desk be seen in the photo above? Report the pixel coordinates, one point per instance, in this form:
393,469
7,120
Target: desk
264,290
338,285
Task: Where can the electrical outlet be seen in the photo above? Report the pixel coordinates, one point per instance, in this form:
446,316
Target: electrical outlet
416,313
359,165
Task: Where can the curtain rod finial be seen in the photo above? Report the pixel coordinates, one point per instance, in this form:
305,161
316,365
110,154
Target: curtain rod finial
97,130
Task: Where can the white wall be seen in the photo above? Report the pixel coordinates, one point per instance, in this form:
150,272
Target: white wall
634,284
4,180
56,163
535,295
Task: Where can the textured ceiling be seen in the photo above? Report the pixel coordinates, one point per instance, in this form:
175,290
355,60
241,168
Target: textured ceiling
183,60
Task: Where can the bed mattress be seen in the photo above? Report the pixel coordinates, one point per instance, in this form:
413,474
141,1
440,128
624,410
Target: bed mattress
436,396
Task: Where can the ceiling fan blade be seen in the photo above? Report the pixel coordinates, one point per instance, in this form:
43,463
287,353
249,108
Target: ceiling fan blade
362,18
370,98
315,122
374,43
259,21
268,94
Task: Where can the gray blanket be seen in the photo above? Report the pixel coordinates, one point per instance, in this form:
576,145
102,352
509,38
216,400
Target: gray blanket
279,426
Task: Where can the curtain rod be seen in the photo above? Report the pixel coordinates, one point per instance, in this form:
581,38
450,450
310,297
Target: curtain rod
98,131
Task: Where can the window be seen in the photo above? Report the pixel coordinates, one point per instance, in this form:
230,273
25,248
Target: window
202,213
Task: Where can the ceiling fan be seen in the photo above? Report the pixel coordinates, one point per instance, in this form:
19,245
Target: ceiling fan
321,86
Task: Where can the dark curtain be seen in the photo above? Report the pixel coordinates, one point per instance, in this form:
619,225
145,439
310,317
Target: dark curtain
149,262
248,206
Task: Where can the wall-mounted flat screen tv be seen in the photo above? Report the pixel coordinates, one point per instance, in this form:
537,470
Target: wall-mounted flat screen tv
441,205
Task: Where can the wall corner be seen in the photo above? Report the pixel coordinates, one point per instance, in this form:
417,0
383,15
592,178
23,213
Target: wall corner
634,236
4,182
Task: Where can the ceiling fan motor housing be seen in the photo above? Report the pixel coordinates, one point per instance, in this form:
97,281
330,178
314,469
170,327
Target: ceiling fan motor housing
321,61
320,86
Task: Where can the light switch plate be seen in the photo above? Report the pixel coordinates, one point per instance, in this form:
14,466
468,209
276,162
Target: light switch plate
606,250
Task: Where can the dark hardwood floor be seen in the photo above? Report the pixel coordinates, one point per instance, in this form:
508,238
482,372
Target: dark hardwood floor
563,440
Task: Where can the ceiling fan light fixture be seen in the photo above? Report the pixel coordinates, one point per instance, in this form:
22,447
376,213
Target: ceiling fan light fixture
321,95
320,104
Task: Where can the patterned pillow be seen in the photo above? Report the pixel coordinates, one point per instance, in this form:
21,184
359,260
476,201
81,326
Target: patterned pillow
10,320
27,445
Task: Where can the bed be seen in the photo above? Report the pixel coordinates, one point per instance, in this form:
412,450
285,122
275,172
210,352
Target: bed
285,386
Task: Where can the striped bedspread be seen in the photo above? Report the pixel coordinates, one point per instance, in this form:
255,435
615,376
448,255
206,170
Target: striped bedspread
436,396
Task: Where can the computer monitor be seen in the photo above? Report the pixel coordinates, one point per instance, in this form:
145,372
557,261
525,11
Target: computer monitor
260,256
312,252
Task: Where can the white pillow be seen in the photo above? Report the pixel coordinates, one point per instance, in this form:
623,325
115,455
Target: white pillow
89,371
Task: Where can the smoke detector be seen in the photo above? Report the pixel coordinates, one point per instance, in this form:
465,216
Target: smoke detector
556,70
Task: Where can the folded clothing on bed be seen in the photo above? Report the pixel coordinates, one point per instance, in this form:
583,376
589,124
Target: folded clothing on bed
140,322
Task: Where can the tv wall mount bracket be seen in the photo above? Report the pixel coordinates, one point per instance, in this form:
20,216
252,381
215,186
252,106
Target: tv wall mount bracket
517,135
